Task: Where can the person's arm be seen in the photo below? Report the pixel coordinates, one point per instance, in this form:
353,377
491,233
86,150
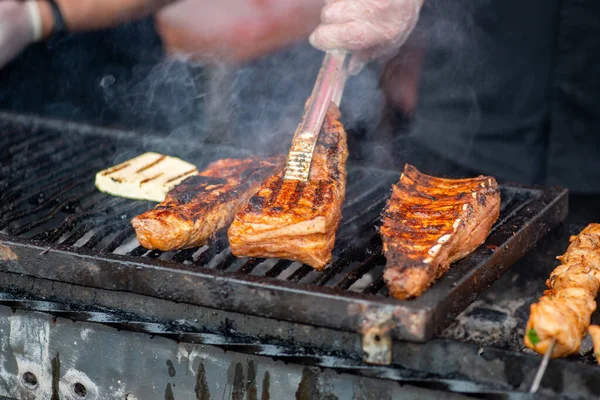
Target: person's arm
85,15
26,22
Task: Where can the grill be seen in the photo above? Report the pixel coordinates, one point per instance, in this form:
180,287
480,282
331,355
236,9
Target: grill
55,225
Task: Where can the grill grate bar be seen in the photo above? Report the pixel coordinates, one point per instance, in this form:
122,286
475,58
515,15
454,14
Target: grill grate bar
14,215
11,138
138,251
119,239
24,160
216,247
366,212
100,219
355,184
278,268
103,232
154,254
375,286
71,221
78,234
184,255
27,178
300,273
360,270
375,191
347,256
24,198
250,265
227,262
23,146
31,225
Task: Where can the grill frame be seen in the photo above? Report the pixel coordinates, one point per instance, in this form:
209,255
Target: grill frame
416,320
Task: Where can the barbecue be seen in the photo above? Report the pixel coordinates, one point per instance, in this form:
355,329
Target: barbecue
429,223
298,220
203,204
205,322
58,228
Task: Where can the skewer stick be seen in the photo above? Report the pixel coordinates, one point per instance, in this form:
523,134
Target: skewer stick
542,368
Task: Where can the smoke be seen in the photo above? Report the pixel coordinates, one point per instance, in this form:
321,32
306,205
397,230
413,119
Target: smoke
270,94
255,107
120,78
455,72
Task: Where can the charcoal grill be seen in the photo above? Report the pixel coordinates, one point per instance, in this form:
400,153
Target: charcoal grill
56,226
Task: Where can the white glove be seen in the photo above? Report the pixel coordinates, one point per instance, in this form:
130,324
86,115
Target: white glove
20,25
368,28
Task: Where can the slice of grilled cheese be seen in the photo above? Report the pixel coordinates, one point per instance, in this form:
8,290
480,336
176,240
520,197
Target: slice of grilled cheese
149,176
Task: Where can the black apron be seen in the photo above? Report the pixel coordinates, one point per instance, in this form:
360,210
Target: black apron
511,88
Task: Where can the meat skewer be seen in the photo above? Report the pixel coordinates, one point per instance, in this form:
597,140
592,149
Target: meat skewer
428,223
563,313
293,219
200,205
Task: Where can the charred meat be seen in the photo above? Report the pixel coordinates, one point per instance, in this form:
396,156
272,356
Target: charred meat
563,313
428,223
202,204
298,220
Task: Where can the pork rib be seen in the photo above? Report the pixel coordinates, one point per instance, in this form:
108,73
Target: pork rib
298,220
202,204
429,222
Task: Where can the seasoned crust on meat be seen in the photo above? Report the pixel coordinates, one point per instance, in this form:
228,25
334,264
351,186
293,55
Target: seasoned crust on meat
297,220
430,222
564,311
200,205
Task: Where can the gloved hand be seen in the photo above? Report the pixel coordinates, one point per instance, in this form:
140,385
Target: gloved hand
368,28
19,26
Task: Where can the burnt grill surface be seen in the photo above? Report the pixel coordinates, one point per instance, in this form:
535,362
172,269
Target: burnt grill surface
54,224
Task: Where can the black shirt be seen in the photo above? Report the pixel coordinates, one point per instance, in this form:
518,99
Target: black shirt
511,88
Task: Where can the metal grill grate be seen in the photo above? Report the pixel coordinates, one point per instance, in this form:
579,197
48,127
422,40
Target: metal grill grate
49,201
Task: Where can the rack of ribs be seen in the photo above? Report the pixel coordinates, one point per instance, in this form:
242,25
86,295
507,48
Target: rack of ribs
202,204
298,220
428,223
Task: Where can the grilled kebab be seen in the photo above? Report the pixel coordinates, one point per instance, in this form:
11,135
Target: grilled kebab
293,219
202,204
429,222
563,313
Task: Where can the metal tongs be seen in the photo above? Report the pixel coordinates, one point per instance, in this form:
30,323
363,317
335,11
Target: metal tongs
328,88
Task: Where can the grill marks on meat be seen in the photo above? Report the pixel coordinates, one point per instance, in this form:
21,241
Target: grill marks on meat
297,220
565,310
202,204
428,223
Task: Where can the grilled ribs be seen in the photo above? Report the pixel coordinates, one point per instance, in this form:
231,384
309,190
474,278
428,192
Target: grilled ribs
297,220
429,222
202,204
